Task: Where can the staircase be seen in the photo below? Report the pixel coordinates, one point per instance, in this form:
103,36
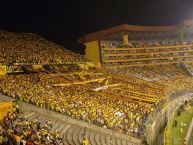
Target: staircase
72,134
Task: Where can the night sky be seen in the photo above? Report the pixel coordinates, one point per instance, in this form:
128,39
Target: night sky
64,21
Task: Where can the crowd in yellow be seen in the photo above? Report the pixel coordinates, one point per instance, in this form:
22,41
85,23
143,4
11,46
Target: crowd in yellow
156,73
123,108
33,49
15,129
122,103
115,53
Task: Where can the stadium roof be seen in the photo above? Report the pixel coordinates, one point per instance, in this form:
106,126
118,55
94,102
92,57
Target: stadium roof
116,33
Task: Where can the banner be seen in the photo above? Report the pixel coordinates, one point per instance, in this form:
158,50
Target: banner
37,67
5,107
2,70
125,40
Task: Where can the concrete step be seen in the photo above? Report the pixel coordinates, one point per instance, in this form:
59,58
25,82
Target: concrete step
103,140
52,121
64,130
88,134
80,135
40,118
108,140
97,139
60,128
28,115
75,136
69,135
43,119
124,142
114,141
64,134
130,143
25,113
31,117
56,125
84,133
119,141
92,138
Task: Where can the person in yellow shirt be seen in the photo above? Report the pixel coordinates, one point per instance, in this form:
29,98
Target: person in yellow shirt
18,139
85,141
57,134
17,108
1,139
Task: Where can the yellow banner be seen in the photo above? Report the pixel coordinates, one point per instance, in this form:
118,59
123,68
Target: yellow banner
37,67
5,108
2,70
125,39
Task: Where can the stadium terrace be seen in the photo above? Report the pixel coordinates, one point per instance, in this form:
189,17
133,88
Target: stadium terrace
124,91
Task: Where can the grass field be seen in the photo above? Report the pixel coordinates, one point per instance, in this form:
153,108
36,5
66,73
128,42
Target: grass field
176,135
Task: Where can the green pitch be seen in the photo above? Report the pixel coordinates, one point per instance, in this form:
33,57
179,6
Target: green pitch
176,135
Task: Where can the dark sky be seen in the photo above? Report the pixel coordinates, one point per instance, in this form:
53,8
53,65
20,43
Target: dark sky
66,20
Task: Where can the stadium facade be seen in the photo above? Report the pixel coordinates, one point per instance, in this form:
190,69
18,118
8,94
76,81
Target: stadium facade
131,45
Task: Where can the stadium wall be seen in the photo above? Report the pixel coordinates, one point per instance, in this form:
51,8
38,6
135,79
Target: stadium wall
189,134
92,51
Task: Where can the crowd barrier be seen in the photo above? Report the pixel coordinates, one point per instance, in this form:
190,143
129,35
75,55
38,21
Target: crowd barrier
171,119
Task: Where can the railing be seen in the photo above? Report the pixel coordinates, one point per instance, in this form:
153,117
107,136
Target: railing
189,133
148,53
159,117
148,64
166,126
174,135
146,59
169,98
152,47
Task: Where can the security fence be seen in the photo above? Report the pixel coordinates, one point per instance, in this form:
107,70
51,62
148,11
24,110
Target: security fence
159,117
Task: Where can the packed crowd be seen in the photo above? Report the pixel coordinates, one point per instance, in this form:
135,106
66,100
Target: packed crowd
160,52
125,111
134,83
27,48
123,107
16,130
157,73
126,64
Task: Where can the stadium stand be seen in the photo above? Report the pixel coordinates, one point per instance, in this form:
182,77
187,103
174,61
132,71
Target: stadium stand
27,48
127,45
80,101
21,129
137,75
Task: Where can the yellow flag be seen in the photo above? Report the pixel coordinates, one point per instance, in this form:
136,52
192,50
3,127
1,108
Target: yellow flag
125,40
5,107
2,70
107,82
